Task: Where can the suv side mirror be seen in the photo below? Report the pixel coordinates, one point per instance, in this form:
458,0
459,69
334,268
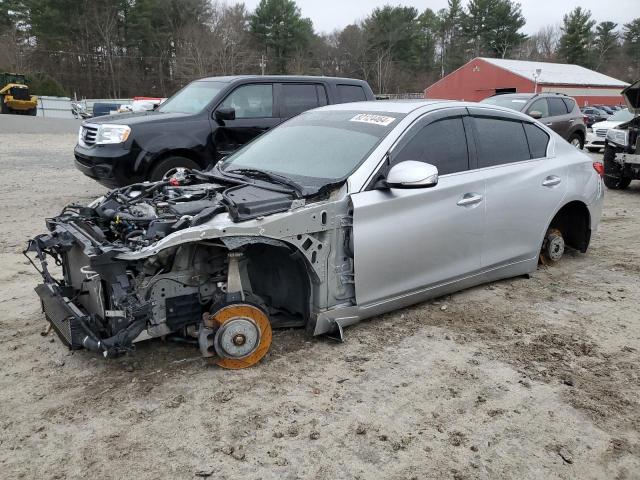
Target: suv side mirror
412,174
535,114
225,113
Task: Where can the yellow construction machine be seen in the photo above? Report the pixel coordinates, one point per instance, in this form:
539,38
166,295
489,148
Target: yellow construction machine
15,97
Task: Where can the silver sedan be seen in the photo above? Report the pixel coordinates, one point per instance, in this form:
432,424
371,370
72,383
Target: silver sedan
339,214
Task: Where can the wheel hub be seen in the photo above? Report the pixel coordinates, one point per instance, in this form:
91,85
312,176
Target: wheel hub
237,338
555,247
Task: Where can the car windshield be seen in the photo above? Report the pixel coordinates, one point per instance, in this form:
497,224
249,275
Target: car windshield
621,116
193,98
317,147
515,103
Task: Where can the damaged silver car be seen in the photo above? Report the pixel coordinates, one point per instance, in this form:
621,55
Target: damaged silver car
337,215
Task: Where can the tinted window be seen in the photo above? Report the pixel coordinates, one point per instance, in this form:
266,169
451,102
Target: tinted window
297,99
538,140
251,101
441,143
500,141
556,107
351,93
570,103
541,106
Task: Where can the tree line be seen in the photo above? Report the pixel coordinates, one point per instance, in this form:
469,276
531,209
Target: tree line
122,48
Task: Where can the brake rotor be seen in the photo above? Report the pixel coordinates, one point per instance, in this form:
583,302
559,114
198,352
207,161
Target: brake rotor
243,335
553,247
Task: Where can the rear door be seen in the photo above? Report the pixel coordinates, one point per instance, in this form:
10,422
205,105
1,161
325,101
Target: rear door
255,113
523,186
406,241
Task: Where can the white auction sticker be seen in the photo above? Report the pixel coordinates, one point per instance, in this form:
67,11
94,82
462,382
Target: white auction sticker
375,119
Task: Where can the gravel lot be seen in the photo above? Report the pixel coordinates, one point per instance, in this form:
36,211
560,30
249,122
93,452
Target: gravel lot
525,378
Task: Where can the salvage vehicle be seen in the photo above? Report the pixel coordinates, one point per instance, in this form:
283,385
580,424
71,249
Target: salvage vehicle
339,214
622,145
557,111
598,131
202,123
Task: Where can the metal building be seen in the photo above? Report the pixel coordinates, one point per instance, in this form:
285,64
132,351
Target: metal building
483,77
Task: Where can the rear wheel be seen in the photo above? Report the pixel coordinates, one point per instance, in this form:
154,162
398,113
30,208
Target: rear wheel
576,140
169,163
552,247
613,173
33,112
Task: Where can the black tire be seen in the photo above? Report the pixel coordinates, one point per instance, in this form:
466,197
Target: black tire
613,175
593,149
163,166
33,112
576,140
3,106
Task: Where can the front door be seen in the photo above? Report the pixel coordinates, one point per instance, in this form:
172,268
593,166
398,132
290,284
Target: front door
407,241
255,114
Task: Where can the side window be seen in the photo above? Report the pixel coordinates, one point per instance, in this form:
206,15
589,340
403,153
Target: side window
541,106
442,143
556,107
538,140
569,103
251,101
351,93
500,141
298,98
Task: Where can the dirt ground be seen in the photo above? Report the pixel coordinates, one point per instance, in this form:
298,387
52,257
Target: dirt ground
525,378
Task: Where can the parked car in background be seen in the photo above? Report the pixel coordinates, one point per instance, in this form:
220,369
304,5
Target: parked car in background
598,131
606,109
202,123
557,111
101,109
622,145
339,214
595,114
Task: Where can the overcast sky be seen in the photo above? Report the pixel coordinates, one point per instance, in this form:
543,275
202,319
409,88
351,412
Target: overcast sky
327,15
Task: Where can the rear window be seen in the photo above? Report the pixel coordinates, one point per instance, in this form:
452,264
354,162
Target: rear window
556,107
500,141
538,140
351,93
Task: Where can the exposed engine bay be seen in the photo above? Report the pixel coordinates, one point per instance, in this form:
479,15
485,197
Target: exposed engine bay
194,259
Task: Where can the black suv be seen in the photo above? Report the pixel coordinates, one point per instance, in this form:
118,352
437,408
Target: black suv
557,111
205,121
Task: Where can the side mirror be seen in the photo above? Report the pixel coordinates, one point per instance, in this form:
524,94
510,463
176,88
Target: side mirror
535,114
412,174
225,113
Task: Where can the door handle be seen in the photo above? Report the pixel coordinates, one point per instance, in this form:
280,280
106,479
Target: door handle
551,181
469,199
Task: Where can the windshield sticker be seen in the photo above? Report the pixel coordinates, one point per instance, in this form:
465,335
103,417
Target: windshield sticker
375,119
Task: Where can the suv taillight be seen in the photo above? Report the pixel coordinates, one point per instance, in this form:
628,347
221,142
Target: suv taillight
599,167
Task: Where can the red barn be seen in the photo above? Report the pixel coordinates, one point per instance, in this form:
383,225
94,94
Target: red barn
483,77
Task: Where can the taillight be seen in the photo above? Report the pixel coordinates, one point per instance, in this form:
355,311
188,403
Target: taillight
599,167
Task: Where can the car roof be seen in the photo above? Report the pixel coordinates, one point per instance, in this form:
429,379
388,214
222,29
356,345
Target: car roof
390,106
280,78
